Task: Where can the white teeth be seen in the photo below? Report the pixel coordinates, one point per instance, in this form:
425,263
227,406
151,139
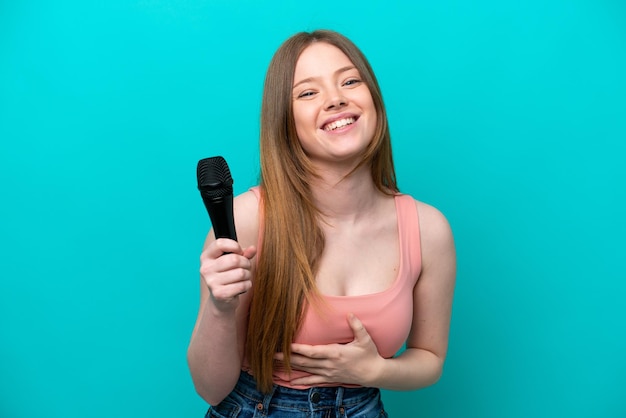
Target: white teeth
339,124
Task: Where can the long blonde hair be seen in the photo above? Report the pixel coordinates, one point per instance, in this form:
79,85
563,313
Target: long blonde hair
293,241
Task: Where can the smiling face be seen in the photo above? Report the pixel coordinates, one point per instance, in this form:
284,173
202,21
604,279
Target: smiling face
333,110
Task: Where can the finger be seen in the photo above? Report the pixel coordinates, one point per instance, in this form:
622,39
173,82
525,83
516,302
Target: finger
228,283
250,252
309,366
311,380
221,246
232,266
231,275
358,329
227,268
230,290
231,261
310,351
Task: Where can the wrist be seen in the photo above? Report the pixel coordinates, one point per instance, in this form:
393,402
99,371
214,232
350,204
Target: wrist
377,372
222,309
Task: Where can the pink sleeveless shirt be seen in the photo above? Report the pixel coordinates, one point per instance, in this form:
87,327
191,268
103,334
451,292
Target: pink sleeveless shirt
387,315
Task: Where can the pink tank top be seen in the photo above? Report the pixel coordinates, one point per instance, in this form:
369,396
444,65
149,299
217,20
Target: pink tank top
387,316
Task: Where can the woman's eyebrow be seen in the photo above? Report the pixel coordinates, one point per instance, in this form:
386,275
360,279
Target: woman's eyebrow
309,79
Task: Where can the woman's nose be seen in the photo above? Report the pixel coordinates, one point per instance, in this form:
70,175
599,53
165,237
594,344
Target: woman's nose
335,100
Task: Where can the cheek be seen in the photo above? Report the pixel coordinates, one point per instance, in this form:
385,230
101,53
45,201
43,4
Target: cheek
366,103
372,117
304,122
373,121
300,131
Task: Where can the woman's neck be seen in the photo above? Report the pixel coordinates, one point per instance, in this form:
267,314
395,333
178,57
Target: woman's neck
342,198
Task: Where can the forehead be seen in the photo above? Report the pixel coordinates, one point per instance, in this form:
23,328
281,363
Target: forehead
320,59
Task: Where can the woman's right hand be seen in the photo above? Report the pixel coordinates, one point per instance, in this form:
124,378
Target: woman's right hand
226,269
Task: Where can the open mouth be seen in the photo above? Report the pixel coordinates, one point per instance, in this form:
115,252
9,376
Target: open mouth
334,125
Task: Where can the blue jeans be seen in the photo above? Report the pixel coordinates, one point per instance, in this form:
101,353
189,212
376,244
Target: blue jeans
245,401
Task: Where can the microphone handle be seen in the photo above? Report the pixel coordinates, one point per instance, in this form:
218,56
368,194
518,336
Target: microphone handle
221,213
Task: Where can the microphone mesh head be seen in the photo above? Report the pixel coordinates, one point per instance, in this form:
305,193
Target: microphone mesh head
214,177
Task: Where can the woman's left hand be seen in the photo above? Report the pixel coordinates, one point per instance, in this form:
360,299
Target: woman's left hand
357,362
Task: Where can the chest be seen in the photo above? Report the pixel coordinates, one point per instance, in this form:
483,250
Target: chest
359,261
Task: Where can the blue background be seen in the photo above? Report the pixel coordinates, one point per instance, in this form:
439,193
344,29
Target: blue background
510,117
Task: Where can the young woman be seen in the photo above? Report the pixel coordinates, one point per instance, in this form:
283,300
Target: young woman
335,271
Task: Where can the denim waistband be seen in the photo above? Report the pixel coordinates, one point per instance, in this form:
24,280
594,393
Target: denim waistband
312,399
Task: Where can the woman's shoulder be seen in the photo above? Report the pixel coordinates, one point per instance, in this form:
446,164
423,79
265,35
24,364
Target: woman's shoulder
435,230
246,213
433,223
249,198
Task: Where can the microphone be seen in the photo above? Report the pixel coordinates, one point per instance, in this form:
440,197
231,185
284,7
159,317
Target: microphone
216,188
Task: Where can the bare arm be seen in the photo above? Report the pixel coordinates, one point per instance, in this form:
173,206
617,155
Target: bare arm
421,364
215,352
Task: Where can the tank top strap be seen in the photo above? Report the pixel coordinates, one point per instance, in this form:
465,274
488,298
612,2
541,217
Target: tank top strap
409,230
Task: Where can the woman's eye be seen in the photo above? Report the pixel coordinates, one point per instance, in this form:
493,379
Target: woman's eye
352,82
305,94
